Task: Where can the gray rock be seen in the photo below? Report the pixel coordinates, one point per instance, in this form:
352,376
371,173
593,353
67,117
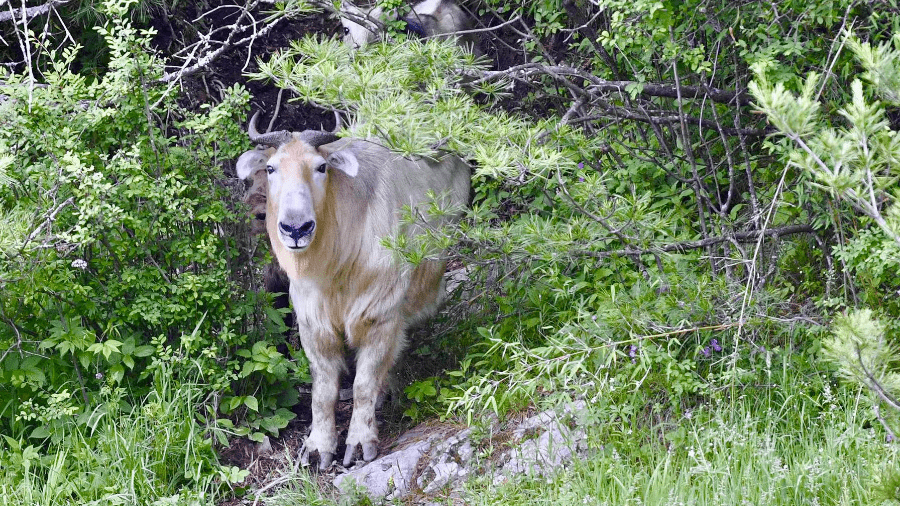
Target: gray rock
389,476
555,444
431,460
447,463
264,447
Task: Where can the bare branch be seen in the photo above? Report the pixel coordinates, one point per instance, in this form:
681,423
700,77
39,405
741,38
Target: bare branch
626,113
602,221
681,247
887,428
598,85
874,384
865,204
243,32
30,12
51,216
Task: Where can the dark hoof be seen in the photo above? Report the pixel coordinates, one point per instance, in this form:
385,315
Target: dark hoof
369,452
325,458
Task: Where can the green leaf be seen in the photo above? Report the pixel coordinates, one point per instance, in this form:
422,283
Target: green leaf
144,351
117,372
41,432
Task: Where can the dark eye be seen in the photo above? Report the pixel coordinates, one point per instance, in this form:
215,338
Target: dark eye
346,31
321,169
270,169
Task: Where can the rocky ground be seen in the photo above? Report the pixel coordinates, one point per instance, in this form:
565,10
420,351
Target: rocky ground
428,462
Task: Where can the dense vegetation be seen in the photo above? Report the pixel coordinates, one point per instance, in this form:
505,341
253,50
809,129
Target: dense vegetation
684,212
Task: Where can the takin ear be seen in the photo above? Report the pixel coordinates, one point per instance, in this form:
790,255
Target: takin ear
253,160
344,161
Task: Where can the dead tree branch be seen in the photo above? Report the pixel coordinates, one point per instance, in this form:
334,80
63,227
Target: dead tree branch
17,14
681,247
243,32
597,85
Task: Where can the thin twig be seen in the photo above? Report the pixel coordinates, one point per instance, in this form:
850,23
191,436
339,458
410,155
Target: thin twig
598,85
615,231
277,481
891,435
49,219
874,384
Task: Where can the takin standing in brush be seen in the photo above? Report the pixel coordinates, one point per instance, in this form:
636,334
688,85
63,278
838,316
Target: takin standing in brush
432,18
330,203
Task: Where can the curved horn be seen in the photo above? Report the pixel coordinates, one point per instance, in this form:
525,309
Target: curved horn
316,138
274,139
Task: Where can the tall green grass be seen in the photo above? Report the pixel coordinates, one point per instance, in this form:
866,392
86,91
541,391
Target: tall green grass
797,442
152,451
789,438
792,438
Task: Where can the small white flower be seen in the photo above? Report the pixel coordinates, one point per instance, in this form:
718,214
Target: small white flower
79,264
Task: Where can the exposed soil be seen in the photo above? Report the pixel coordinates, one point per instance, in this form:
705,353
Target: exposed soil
230,68
266,465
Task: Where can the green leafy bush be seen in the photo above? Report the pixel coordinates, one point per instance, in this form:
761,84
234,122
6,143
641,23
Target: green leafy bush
120,256
124,450
853,155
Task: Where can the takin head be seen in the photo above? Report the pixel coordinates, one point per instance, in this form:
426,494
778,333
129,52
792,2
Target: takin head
361,26
298,177
429,18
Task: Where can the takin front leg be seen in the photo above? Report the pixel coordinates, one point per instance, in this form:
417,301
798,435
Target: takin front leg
324,350
378,349
325,364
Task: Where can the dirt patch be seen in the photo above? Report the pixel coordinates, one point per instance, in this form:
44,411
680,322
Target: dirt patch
266,465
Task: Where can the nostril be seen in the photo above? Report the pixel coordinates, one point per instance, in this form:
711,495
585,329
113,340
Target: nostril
307,228
297,233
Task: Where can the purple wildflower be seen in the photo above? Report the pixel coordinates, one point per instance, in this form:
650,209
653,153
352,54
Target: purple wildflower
632,351
580,165
705,352
715,345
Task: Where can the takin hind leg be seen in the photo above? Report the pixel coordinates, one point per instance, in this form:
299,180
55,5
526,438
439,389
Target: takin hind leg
380,342
426,292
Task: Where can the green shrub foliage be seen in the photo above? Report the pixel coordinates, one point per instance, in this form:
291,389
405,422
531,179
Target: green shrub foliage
634,221
119,257
853,155
666,211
